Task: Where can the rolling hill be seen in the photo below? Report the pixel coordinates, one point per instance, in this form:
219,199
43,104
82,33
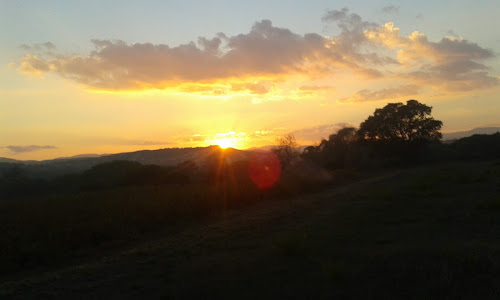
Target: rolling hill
162,157
461,134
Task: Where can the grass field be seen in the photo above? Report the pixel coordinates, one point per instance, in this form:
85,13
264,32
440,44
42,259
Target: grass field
431,232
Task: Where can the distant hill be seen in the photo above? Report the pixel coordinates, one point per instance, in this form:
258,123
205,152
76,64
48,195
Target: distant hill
270,147
81,156
162,157
8,160
461,134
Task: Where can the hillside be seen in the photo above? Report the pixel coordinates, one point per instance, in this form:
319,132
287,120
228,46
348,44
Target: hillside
8,160
420,233
461,134
161,157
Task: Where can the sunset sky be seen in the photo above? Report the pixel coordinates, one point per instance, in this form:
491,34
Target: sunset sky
113,76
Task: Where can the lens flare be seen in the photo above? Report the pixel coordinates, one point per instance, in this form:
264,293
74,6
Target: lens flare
264,169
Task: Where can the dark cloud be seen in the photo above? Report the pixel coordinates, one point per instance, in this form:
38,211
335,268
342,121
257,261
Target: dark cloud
453,48
31,148
456,67
452,63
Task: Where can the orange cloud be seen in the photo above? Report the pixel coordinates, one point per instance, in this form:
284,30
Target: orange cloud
33,65
265,50
452,63
253,62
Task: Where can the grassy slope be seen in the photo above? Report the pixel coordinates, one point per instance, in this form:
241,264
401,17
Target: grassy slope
429,232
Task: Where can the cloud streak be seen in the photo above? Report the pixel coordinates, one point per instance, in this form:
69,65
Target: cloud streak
396,93
253,62
30,148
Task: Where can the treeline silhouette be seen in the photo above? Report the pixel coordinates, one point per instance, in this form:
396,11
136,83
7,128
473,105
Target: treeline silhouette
341,151
396,135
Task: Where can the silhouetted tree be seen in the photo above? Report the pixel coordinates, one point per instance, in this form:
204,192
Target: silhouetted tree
344,136
334,152
286,150
397,122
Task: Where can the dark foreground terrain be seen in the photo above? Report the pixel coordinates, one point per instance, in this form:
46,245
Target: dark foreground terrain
419,233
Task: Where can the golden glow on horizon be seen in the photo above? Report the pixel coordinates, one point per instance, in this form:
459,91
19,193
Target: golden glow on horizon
225,143
262,87
228,139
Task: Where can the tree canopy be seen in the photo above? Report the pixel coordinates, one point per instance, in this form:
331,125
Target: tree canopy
286,150
399,122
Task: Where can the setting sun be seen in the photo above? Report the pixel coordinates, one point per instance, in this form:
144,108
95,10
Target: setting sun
228,139
225,143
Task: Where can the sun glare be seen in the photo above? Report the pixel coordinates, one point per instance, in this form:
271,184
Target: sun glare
225,143
229,139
